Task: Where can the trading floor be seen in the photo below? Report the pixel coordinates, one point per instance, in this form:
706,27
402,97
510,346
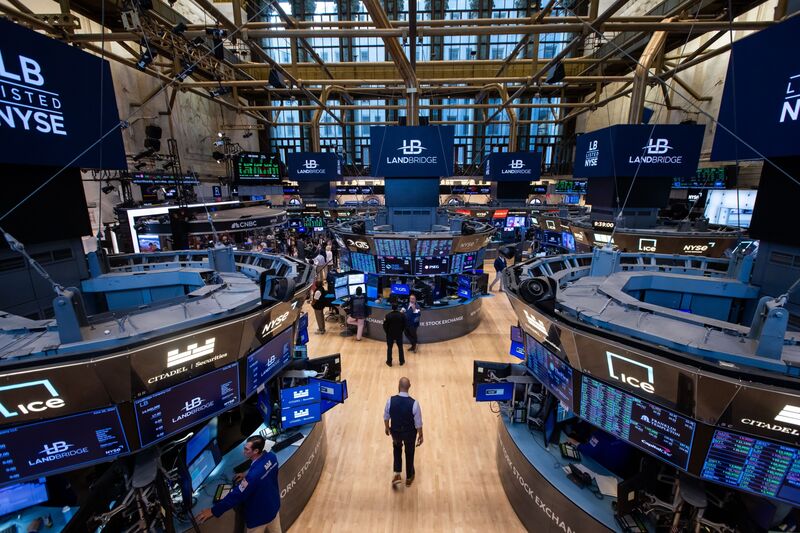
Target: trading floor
457,487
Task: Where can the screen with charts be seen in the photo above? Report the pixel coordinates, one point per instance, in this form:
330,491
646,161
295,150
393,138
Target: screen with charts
551,371
515,222
269,359
430,266
463,262
755,465
39,449
22,495
253,167
166,412
393,247
434,247
362,262
394,265
647,426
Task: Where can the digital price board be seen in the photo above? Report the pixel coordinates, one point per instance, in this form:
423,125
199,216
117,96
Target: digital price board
754,465
393,247
552,372
66,443
430,266
257,168
434,247
362,262
571,186
656,430
166,412
705,178
394,265
463,262
265,362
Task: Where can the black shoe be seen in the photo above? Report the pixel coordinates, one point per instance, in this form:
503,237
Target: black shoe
389,363
402,363
413,349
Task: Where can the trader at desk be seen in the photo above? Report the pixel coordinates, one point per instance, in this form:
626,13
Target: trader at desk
258,491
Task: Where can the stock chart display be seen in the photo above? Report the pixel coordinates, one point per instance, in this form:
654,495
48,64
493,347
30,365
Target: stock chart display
393,247
257,168
654,429
551,371
434,247
362,262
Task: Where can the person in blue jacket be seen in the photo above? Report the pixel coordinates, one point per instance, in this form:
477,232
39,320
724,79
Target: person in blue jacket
499,265
258,491
412,313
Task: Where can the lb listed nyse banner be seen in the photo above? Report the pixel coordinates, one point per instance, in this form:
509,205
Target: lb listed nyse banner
53,98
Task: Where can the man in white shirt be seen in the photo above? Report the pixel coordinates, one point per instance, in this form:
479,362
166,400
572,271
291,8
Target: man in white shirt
402,418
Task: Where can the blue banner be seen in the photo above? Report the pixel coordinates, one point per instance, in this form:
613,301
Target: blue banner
513,166
314,166
51,104
411,151
761,100
628,150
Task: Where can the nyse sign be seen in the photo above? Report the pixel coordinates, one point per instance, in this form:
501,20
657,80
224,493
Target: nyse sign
25,103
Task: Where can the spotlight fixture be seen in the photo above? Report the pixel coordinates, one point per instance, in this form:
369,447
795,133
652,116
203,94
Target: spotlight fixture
108,189
247,135
219,142
217,33
220,134
144,153
220,91
197,41
145,59
188,68
179,29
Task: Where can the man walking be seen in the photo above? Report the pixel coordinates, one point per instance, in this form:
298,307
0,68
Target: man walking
412,313
393,325
499,265
402,419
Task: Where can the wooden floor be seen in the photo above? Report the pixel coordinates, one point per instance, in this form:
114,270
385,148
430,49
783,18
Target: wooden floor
457,486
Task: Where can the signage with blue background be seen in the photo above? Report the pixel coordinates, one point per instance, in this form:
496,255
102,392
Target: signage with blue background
494,392
44,107
411,151
761,100
303,395
314,166
301,415
628,150
513,166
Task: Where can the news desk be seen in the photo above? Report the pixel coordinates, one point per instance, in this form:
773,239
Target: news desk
299,471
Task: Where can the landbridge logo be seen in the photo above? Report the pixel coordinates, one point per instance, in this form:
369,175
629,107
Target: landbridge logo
517,166
194,403
791,100
310,164
412,147
57,450
661,146
24,103
409,148
36,406
656,154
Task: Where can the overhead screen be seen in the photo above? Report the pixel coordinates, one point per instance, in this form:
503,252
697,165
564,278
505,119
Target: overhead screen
513,166
253,168
411,152
314,166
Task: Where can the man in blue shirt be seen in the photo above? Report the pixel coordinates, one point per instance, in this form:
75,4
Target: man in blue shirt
402,419
258,492
412,313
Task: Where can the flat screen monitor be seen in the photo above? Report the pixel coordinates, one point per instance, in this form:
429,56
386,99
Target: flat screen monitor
731,208
489,371
268,360
149,243
353,289
341,281
327,367
300,416
464,262
201,468
394,265
257,168
516,334
20,496
201,439
66,443
372,286
647,426
434,247
401,289
431,266
568,240
174,409
355,279
552,372
340,292
326,405
494,392
515,222
331,390
464,292
362,262
393,247
302,395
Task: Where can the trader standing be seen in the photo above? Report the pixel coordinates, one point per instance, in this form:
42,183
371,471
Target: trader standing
499,265
258,492
394,325
358,312
412,313
402,419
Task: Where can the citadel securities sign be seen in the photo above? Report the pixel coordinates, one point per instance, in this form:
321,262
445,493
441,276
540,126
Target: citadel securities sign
411,151
51,99
314,166
761,101
639,150
513,166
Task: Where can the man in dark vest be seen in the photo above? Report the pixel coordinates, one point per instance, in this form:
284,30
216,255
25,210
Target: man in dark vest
403,420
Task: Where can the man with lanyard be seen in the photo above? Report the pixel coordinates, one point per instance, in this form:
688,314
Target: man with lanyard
412,321
258,492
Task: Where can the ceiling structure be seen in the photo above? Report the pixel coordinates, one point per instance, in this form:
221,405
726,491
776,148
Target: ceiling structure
507,73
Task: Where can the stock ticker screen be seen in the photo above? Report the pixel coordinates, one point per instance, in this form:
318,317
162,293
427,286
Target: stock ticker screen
434,247
651,428
265,362
464,262
755,465
429,266
362,262
551,371
255,167
35,450
394,265
166,412
393,247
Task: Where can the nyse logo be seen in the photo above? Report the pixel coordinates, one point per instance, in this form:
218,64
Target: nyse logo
790,414
28,105
274,324
412,147
620,368
660,147
36,406
516,164
697,248
56,447
310,164
791,101
193,351
592,155
535,323
647,245
361,245
194,403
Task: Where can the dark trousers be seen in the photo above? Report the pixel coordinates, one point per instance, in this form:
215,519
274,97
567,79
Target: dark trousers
400,440
393,340
411,333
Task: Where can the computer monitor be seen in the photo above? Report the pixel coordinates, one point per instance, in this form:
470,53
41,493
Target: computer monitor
341,292
351,289
201,467
355,279
332,390
629,494
201,439
516,334
22,495
372,286
401,289
494,392
489,371
341,281
328,367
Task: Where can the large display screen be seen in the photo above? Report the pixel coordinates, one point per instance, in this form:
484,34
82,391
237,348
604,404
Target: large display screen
434,247
755,465
201,468
362,262
257,168
302,395
394,265
551,371
654,429
166,412
42,448
464,262
22,495
265,362
571,186
299,416
429,266
705,178
201,440
393,247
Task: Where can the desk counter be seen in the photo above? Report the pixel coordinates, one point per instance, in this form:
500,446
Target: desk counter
441,323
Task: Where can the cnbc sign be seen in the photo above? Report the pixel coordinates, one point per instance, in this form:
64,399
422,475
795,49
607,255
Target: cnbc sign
513,166
411,151
314,166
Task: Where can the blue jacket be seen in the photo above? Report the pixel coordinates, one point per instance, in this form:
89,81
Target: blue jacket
412,318
258,491
499,264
